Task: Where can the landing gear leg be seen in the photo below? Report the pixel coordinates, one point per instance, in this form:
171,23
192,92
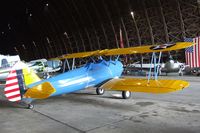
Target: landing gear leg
26,105
126,94
181,74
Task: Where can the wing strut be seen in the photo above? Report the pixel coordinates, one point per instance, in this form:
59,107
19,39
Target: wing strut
64,65
157,69
155,65
73,64
68,64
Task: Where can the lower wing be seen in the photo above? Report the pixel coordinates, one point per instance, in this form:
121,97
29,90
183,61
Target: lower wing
142,85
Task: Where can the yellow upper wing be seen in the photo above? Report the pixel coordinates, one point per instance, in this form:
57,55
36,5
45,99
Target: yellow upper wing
142,85
149,48
56,58
130,50
81,54
85,54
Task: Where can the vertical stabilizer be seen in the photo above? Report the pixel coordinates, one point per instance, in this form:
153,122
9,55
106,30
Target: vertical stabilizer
12,89
19,77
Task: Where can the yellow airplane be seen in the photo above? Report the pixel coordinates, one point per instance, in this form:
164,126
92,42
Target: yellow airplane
24,85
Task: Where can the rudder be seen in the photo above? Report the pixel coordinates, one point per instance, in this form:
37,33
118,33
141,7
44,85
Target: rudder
19,77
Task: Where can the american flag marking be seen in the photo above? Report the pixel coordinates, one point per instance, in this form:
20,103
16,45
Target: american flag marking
192,54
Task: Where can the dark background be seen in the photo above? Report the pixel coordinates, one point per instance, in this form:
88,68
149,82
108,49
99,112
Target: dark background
45,29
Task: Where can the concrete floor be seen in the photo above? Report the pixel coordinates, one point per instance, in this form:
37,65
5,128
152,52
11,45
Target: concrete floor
86,112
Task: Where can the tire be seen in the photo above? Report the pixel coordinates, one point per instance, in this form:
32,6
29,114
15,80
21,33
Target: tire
126,94
100,91
30,106
180,74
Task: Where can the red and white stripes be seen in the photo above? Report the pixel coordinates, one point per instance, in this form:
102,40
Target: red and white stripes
193,56
12,90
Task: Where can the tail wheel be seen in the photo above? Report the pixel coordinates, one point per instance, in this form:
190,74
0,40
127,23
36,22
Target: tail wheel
30,106
100,91
126,94
180,74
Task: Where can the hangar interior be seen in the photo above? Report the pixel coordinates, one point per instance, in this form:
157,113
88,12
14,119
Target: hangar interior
46,29
52,28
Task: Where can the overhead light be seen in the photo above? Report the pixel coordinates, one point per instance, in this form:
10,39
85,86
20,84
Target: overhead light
30,15
132,13
23,46
47,4
15,49
65,33
34,44
48,40
9,27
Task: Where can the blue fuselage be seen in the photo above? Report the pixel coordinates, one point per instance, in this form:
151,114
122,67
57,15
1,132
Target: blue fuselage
90,75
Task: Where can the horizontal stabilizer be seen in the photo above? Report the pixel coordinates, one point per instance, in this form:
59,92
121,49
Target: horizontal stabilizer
18,78
41,91
142,85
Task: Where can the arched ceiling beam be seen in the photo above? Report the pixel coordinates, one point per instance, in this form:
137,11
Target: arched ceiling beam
92,25
101,24
148,21
61,24
39,28
115,3
132,13
181,19
82,25
164,21
76,26
111,23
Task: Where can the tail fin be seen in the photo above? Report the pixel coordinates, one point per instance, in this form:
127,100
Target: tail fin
19,77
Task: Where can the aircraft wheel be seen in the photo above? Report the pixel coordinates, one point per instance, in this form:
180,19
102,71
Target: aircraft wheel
126,94
180,74
100,91
30,106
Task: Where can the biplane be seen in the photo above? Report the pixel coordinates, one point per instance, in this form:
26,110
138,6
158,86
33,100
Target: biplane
23,85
